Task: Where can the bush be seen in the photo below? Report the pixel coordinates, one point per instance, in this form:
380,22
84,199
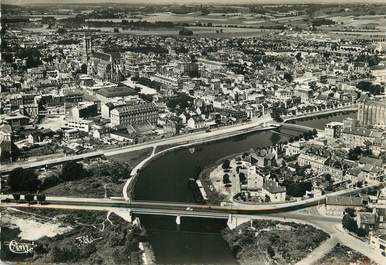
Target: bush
73,171
49,182
271,252
21,179
185,32
16,196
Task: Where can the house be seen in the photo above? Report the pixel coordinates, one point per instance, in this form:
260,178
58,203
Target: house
100,132
333,129
39,135
294,148
71,134
273,192
367,221
196,122
264,158
184,117
378,241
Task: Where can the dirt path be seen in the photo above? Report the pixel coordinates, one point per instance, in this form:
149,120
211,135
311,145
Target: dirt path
319,252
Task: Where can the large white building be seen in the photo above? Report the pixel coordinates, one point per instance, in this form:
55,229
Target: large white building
372,113
135,114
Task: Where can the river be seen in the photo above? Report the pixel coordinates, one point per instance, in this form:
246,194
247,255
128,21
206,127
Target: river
196,240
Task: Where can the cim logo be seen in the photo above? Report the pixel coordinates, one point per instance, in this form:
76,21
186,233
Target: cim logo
21,247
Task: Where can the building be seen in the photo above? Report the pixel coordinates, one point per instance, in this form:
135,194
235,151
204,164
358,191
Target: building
108,94
294,148
195,122
134,114
273,192
87,50
336,205
210,64
320,165
190,69
349,123
333,129
372,112
106,66
79,124
304,93
108,107
378,241
360,136
367,221
30,110
83,110
5,140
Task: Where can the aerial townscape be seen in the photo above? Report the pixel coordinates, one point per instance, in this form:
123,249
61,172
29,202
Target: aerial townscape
218,132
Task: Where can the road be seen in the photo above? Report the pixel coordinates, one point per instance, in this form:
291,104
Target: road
184,209
192,138
331,225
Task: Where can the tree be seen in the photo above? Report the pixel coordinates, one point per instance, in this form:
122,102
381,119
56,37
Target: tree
298,56
288,77
350,212
328,177
349,223
73,171
225,179
29,197
362,232
359,184
21,179
243,178
226,164
16,196
40,197
271,251
83,69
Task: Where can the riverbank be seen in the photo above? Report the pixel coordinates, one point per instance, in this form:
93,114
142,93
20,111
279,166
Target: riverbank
129,186
196,240
105,177
272,242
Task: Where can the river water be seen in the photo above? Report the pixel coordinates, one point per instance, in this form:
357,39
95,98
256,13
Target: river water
196,240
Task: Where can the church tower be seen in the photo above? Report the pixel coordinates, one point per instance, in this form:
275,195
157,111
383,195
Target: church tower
87,49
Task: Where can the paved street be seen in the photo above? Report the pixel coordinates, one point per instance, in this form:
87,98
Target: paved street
192,138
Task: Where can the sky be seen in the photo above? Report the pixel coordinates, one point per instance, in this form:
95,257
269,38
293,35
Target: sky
23,2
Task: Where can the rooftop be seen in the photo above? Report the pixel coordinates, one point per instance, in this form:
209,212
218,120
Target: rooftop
119,91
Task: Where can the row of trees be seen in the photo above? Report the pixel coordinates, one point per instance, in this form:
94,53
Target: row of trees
29,197
306,135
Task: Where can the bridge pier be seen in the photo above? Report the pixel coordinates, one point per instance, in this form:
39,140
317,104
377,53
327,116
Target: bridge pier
130,216
178,220
234,221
